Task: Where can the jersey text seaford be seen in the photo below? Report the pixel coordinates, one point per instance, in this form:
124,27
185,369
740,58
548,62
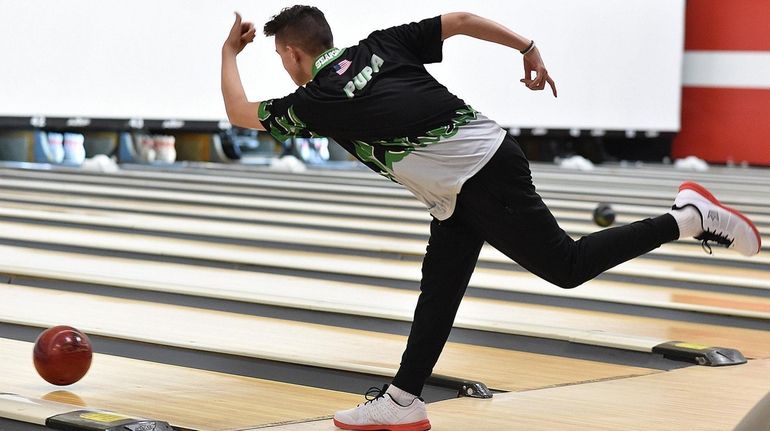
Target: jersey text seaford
364,76
327,57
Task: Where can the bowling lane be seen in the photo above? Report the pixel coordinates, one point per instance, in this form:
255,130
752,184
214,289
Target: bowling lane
300,186
294,182
390,303
739,175
284,341
681,249
717,174
233,187
637,174
564,180
548,322
214,200
218,231
695,399
386,267
307,204
185,397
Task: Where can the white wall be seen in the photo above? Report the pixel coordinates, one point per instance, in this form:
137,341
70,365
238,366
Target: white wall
617,63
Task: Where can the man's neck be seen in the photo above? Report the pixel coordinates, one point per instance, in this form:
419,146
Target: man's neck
324,59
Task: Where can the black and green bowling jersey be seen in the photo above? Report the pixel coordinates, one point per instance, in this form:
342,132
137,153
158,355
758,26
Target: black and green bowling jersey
377,100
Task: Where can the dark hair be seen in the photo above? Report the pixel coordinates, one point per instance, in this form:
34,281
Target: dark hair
303,26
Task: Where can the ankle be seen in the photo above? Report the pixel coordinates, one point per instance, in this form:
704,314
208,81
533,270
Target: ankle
688,220
400,396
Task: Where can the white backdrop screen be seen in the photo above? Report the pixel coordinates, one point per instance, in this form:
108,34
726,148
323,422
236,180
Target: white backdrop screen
617,64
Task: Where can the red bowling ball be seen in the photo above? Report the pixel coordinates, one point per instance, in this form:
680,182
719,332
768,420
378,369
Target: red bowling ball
62,355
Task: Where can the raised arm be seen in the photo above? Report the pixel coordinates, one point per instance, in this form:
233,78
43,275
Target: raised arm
477,27
240,111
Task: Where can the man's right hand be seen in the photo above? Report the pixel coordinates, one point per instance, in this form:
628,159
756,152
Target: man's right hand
533,62
241,34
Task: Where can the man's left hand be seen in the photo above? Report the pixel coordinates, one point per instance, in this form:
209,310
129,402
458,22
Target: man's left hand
241,34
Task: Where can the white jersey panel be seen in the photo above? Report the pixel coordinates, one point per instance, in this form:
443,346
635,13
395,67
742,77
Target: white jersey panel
436,173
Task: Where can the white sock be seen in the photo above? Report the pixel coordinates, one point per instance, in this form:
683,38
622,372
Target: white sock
400,396
689,221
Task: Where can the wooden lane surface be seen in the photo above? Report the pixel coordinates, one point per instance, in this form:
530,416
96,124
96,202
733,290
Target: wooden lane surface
408,209
753,196
588,327
639,267
753,211
618,180
726,176
498,279
727,179
650,187
574,220
751,193
740,190
185,397
221,183
299,186
288,341
63,204
693,399
316,200
232,187
750,174
30,410
716,173
277,200
746,200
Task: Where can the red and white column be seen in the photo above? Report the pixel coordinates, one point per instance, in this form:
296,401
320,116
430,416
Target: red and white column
726,82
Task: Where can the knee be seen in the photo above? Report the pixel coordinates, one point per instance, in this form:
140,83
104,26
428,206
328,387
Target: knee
569,284
566,282
567,272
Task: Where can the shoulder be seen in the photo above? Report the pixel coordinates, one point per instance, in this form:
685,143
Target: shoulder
425,25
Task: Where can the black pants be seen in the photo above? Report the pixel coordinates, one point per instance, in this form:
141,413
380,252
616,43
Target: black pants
499,205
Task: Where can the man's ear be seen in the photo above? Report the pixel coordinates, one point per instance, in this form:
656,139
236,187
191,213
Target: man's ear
294,53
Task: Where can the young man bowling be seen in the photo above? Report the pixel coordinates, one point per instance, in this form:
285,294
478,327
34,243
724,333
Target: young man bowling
377,100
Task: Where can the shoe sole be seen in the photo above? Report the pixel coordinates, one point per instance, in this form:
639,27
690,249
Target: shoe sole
414,426
697,188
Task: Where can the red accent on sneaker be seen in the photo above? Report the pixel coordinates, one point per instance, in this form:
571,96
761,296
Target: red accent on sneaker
697,188
414,426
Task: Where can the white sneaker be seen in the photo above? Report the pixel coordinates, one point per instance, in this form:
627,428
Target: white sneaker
382,413
722,225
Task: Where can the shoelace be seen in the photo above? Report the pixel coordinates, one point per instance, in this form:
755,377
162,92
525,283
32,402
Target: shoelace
374,393
717,237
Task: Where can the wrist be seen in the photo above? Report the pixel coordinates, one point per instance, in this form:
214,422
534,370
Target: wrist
529,48
228,50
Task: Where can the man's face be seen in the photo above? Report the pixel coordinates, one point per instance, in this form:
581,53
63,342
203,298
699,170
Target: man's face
290,58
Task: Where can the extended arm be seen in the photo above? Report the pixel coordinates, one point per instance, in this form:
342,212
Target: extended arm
240,111
481,28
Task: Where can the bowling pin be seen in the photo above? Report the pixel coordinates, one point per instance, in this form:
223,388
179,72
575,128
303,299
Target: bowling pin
147,152
304,149
74,151
55,147
165,148
322,146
